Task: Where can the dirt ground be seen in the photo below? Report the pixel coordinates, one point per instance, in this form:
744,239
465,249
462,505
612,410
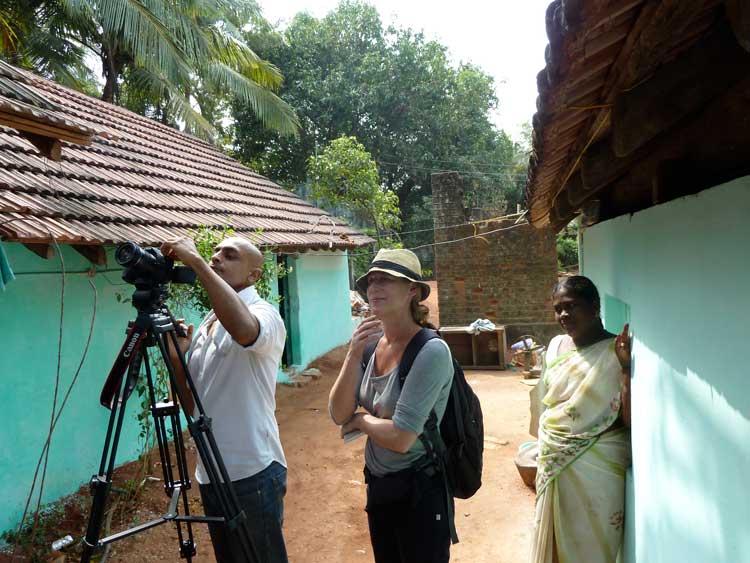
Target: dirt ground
325,520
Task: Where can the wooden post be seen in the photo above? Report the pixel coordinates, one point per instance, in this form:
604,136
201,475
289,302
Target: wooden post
42,250
93,253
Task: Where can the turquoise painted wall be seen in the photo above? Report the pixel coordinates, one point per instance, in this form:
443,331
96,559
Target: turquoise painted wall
29,325
29,321
319,300
682,269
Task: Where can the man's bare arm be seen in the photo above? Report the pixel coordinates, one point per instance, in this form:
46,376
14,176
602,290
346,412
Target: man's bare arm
229,308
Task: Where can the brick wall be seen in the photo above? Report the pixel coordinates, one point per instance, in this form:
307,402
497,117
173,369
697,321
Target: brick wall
507,278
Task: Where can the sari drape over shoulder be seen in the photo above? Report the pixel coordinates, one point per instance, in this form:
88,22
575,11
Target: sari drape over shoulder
583,453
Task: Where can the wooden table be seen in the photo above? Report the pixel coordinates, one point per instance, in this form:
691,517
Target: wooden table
485,350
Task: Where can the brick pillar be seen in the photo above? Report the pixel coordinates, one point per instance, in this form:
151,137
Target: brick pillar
447,203
448,210
506,276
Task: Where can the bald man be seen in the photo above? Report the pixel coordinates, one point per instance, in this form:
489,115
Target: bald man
233,360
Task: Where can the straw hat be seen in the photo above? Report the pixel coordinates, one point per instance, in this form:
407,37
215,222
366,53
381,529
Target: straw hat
397,262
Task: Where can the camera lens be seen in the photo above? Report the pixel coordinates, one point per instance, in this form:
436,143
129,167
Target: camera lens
127,254
142,263
148,266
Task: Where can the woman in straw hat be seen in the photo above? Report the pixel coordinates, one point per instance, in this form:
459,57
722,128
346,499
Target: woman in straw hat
407,508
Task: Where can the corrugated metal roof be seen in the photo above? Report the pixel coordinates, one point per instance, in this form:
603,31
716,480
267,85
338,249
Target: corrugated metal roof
142,181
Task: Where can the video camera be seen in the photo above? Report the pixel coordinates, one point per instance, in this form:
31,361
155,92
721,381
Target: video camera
149,267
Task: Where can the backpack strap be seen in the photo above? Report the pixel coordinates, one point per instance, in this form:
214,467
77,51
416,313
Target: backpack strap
368,353
411,351
430,437
436,452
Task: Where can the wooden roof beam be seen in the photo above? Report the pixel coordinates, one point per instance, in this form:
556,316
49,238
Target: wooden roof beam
678,89
93,253
707,150
49,147
641,46
738,14
42,250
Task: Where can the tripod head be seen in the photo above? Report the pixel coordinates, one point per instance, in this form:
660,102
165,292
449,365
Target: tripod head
149,298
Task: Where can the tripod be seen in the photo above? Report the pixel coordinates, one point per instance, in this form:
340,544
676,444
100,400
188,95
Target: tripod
155,326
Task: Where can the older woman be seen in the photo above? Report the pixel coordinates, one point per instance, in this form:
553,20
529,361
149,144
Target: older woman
407,507
584,441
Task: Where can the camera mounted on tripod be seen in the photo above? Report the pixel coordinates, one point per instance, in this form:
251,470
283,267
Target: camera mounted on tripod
149,267
150,272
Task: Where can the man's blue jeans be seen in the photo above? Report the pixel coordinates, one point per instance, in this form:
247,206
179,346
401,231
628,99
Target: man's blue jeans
261,496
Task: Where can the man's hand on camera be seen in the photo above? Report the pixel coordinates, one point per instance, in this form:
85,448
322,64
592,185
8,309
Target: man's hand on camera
182,249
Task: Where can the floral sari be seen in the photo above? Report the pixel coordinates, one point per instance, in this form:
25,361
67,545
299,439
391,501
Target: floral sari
583,453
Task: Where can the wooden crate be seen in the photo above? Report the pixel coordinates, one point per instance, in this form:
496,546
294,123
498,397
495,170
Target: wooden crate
485,350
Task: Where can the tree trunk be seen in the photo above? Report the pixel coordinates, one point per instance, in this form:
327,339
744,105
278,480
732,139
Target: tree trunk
108,94
111,73
377,229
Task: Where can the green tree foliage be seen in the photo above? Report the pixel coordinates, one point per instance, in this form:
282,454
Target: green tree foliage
34,34
344,176
567,247
194,296
174,57
399,95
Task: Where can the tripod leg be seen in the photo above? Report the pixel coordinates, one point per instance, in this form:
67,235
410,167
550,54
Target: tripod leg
160,412
187,547
208,450
101,483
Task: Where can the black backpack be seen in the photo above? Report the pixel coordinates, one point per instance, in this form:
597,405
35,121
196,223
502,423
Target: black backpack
459,443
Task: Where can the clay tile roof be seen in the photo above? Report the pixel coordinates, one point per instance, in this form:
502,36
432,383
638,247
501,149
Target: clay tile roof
21,107
597,49
138,180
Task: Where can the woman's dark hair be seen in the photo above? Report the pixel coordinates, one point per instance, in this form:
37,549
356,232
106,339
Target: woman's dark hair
582,287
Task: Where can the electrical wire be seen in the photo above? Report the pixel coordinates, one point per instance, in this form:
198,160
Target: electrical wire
57,385
459,171
55,413
400,234
459,159
10,221
64,402
373,253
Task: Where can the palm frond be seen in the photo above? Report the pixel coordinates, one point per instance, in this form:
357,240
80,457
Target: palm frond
159,88
141,26
56,57
234,52
271,110
239,12
8,37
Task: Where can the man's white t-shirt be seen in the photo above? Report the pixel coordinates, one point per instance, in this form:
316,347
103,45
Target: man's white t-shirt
237,387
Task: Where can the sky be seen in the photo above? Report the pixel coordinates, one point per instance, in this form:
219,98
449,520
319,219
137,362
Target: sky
506,38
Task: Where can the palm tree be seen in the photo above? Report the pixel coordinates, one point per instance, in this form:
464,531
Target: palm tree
34,35
171,49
